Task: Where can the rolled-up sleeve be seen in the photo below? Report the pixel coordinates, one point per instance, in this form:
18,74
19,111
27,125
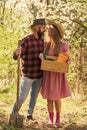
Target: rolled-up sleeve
65,47
23,45
14,56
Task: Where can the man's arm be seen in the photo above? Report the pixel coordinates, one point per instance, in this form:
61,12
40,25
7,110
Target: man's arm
16,53
21,50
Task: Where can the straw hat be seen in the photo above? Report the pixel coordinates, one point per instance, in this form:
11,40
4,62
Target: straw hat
58,26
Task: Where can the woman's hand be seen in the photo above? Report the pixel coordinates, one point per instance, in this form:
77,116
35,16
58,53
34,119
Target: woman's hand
69,60
41,56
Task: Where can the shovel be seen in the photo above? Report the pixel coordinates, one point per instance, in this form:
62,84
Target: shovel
17,119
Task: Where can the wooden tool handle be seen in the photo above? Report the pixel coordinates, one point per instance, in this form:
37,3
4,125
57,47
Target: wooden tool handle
18,78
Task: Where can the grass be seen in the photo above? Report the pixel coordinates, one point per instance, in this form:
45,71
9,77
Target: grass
73,114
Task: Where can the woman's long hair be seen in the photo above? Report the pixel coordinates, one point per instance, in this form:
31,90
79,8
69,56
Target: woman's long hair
55,36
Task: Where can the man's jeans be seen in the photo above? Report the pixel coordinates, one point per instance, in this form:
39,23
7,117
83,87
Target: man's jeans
27,83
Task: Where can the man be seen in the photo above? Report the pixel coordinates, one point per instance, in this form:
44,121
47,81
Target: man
30,48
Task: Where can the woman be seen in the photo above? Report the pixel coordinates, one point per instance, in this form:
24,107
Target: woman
54,84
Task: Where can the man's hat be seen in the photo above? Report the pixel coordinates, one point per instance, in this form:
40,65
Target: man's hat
38,21
59,27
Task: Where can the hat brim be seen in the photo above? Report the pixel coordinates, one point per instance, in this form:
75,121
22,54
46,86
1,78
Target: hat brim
40,21
32,25
58,26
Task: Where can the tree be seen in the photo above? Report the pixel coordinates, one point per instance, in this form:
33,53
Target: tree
16,19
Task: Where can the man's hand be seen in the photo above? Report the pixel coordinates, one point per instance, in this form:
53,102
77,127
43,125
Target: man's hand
18,51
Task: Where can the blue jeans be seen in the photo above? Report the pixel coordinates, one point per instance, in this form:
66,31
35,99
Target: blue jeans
27,84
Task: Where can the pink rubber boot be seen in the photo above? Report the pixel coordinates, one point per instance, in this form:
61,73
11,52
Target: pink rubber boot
51,116
57,123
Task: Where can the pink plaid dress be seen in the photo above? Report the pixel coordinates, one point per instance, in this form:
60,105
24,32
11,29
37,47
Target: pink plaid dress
54,84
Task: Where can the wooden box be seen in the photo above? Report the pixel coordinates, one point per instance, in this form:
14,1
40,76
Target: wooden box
54,66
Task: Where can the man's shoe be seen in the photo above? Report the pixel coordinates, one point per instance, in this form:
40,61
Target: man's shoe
29,117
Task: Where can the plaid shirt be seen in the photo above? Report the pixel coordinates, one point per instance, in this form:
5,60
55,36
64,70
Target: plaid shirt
31,48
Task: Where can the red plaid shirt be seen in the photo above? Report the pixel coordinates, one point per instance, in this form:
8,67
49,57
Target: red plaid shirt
31,48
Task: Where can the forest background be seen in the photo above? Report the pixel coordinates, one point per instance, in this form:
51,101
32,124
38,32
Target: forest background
15,18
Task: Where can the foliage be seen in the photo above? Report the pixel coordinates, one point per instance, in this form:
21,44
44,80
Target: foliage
16,17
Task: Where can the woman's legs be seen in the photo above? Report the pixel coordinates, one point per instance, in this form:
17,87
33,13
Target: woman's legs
50,111
58,110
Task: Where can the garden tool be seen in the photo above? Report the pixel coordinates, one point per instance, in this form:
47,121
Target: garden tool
17,119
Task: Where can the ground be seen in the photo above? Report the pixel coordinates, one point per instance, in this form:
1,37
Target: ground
73,115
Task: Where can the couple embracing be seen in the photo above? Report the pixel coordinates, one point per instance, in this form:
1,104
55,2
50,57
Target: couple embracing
52,85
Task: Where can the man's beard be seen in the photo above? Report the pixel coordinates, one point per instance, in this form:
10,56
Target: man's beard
40,34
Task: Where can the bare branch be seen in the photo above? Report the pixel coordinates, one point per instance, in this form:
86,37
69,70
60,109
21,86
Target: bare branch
17,1
79,22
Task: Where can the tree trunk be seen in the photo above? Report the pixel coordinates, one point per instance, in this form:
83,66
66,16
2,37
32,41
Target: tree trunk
3,4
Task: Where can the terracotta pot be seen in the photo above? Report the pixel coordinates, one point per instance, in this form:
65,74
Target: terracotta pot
63,57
